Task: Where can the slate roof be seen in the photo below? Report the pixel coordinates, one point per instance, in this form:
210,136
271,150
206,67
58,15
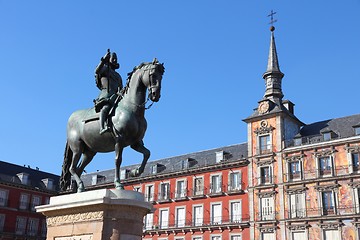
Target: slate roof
9,171
174,164
339,127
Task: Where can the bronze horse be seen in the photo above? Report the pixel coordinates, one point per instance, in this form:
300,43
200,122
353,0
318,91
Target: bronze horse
128,127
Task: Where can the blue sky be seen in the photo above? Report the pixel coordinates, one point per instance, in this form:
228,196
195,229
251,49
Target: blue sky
215,53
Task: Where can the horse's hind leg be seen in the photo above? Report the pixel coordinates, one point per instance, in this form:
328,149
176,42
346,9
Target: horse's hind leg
87,156
73,170
139,147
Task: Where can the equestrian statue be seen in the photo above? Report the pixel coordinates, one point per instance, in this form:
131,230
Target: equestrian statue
116,121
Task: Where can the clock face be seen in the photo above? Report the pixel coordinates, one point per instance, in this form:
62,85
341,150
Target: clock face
263,107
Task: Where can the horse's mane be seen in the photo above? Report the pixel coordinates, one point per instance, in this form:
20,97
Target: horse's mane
141,65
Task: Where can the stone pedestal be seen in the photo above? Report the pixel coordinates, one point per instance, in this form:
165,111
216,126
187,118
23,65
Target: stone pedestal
99,214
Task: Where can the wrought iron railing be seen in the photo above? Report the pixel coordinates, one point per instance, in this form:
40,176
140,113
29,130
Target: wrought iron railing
199,222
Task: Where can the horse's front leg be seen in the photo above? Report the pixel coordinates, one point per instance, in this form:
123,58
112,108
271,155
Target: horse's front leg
139,147
118,159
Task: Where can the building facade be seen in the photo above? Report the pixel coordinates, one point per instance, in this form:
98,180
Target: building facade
303,179
21,190
290,180
196,196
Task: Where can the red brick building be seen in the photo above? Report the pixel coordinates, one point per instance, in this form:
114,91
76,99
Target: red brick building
21,189
196,196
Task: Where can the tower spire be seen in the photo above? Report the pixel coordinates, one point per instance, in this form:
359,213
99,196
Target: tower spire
273,76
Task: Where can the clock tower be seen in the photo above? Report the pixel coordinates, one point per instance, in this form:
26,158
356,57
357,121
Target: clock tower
270,126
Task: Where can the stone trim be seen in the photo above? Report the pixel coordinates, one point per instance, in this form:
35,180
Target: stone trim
295,190
264,128
267,229
297,227
78,217
260,163
322,188
266,194
324,153
352,149
330,225
294,158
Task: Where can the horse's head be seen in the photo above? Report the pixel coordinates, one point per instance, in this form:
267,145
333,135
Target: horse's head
152,79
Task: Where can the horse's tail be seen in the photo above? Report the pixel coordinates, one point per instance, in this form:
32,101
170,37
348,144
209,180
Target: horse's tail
65,178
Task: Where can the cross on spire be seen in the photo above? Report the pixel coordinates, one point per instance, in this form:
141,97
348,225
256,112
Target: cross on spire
272,20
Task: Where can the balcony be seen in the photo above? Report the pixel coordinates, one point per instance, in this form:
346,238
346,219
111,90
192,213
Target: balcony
264,181
181,195
266,216
164,197
235,221
217,190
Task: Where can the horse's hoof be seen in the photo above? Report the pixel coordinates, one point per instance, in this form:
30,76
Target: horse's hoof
81,188
119,186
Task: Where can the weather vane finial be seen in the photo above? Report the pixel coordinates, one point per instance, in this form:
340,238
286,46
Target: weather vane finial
272,20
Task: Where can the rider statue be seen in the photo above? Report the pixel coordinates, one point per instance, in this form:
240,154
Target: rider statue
110,83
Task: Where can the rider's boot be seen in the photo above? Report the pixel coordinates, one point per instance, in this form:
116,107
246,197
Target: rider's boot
103,117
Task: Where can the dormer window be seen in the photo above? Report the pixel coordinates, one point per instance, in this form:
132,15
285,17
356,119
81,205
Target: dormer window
49,183
222,156
297,141
124,173
357,130
154,169
24,178
184,164
327,136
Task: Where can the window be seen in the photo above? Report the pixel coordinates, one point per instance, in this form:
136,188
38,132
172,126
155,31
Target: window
197,238
24,201
297,141
137,188
148,221
180,217
36,201
149,193
164,218
328,202
298,235
357,199
215,184
154,169
267,208
20,225
198,217
33,225
297,205
215,237
355,161
24,178
357,130
49,183
124,174
235,212
198,186
295,170
327,136
3,197
265,144
2,222
235,237
164,191
268,236
326,166
181,189
331,234
265,175
216,213
184,164
234,181
43,228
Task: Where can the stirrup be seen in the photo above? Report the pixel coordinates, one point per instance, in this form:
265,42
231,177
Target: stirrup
102,131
